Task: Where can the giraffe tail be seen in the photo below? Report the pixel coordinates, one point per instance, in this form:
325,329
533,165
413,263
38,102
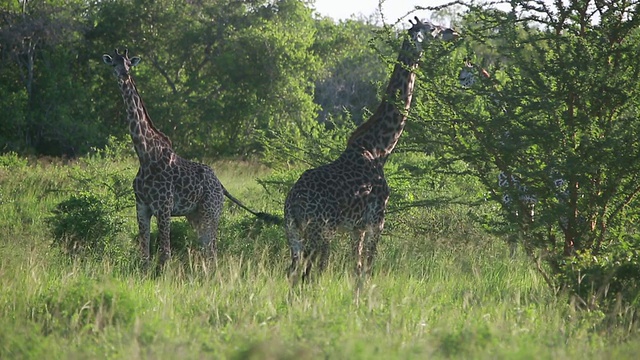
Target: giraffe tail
269,218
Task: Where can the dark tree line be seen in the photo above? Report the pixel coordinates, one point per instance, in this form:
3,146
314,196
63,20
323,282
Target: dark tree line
216,75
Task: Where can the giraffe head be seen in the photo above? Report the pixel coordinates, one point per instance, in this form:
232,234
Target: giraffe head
422,32
121,63
468,74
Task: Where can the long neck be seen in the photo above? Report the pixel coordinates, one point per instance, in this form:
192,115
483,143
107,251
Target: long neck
149,142
379,135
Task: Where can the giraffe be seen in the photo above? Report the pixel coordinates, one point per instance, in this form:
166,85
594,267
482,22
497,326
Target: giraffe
166,184
350,194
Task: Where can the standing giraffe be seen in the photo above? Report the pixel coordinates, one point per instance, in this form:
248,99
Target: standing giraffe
351,193
166,184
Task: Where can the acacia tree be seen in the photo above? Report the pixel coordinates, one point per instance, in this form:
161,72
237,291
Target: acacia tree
558,118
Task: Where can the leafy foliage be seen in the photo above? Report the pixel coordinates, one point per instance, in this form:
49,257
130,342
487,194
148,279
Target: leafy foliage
560,116
215,76
90,221
85,223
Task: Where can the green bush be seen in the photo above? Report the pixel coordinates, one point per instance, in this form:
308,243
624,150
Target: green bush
85,223
89,221
602,280
13,161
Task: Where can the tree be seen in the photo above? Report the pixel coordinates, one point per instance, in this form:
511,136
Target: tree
220,77
352,72
38,47
267,73
218,73
559,118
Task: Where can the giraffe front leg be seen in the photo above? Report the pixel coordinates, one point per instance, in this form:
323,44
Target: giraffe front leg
357,239
371,249
372,236
143,213
164,235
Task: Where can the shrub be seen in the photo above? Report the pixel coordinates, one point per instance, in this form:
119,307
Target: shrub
90,220
12,160
85,222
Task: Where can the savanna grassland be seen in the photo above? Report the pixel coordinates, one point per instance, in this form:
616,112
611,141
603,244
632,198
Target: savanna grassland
458,293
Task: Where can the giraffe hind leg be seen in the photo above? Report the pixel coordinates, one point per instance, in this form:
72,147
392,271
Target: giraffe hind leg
295,246
206,228
309,248
302,255
316,253
308,260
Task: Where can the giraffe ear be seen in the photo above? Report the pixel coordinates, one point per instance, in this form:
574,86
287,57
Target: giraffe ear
135,61
107,59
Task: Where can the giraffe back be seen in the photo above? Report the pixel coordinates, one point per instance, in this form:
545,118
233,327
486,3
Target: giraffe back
348,193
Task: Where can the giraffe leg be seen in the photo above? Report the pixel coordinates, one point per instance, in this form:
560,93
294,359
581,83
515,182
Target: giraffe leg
208,237
316,252
144,228
323,255
372,237
309,257
295,245
294,268
371,249
164,235
210,211
206,227
357,238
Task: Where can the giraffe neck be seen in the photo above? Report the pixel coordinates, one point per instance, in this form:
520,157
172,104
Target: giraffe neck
378,136
149,142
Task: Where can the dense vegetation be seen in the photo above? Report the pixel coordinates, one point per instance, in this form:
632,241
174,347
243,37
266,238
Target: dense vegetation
272,84
216,74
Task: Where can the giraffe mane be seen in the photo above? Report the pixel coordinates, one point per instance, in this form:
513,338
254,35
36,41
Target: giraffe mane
388,98
144,107
363,128
146,114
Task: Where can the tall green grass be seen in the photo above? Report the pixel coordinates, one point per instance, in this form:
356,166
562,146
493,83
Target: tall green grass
432,295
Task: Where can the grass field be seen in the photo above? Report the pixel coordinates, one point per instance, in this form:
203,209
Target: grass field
432,295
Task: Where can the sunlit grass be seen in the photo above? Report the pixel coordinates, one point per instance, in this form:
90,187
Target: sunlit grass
443,298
